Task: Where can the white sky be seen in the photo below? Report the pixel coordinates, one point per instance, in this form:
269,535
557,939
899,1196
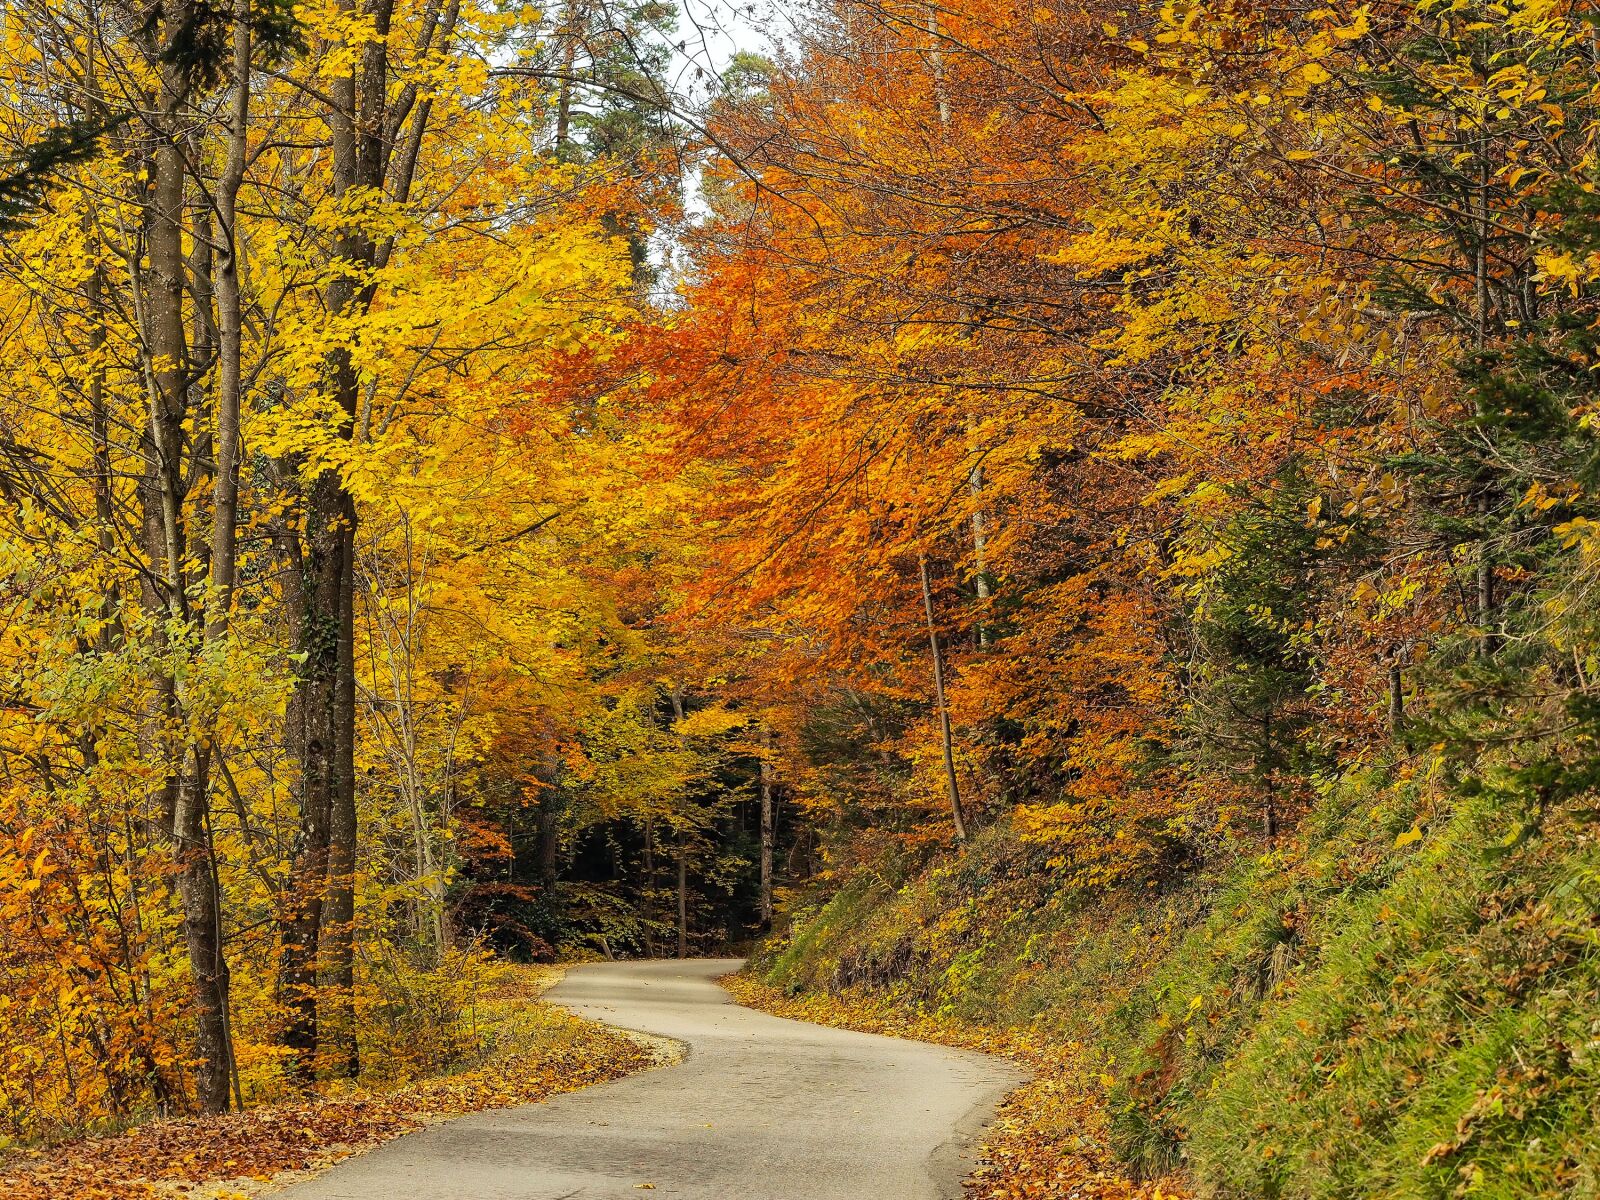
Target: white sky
711,31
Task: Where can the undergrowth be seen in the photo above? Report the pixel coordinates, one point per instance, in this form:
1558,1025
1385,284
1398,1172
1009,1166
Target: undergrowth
519,1051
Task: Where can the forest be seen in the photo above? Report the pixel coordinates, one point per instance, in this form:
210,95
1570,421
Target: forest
1065,527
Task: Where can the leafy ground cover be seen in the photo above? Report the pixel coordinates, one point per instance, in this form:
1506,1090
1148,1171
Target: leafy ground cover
1049,1138
1401,1000
530,1050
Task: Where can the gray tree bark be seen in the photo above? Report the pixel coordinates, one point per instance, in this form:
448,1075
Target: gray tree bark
951,784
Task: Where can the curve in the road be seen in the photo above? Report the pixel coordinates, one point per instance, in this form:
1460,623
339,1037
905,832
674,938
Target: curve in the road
760,1109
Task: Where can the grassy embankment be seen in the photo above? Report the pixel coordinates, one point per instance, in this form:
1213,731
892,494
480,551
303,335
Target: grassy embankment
1403,1000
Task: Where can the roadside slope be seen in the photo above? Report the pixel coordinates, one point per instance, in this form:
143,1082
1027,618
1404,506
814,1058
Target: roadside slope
1401,999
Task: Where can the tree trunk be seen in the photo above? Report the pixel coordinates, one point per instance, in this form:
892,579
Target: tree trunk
569,52
951,784
683,897
683,850
343,1050
980,558
223,547
161,496
230,336
549,848
202,934
326,693
768,827
649,885
313,739
1270,796
100,435
1488,640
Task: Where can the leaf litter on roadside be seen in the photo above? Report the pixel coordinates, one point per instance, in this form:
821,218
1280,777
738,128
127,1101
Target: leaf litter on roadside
1048,1139
556,1053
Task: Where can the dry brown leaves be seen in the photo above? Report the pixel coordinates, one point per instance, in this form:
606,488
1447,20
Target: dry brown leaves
164,1158
1048,1139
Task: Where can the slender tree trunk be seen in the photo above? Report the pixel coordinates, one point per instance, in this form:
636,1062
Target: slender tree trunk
683,850
768,827
649,886
100,435
1488,640
1270,796
980,557
230,335
569,53
683,896
1397,700
224,549
951,783
936,60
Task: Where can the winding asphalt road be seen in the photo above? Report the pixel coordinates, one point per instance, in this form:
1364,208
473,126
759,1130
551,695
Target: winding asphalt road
760,1109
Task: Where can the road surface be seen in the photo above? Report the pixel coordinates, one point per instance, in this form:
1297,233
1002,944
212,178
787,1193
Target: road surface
760,1109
